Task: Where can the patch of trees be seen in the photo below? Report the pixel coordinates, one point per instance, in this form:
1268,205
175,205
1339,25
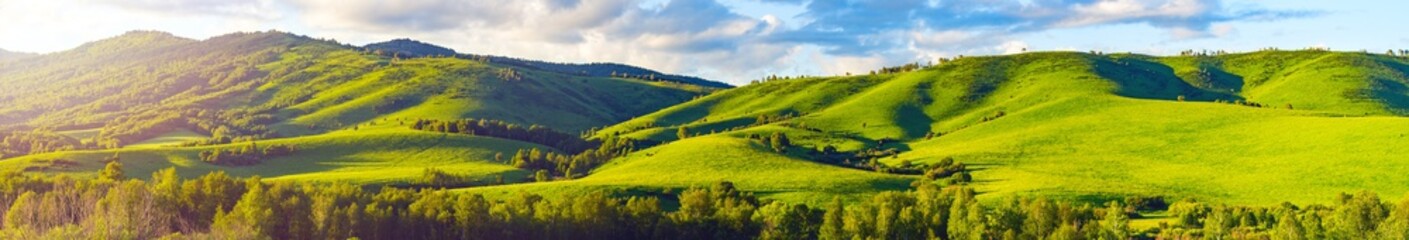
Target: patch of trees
1353,216
499,129
1246,103
225,126
245,155
898,69
393,105
632,128
21,143
946,170
550,165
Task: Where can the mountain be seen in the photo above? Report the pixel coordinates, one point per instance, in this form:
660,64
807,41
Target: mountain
161,100
412,48
1258,128
8,55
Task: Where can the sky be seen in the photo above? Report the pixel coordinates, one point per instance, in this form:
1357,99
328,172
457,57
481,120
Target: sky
736,41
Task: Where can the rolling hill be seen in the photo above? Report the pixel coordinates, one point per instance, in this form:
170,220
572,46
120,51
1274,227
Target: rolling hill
1260,127
1249,128
157,100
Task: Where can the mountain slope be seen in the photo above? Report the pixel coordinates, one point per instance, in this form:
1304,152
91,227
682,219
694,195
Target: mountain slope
1091,127
269,84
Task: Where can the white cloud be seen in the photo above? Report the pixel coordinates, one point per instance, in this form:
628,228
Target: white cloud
697,37
1012,47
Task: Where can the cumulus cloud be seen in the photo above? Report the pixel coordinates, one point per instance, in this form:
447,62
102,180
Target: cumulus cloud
701,37
852,27
711,39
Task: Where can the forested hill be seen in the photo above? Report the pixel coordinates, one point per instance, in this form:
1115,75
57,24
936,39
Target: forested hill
408,47
142,84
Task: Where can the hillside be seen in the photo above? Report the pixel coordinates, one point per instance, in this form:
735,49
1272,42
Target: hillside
1260,127
138,86
1257,128
154,100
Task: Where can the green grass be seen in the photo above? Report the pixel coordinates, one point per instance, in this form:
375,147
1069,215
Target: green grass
704,161
173,137
376,155
1095,127
1074,126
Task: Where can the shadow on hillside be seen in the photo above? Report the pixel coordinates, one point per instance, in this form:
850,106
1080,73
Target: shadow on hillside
1139,78
1393,93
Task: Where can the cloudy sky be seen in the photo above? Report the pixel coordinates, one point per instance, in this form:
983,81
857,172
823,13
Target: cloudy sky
738,40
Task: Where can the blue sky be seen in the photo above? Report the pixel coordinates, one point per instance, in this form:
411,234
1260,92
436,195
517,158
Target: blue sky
738,40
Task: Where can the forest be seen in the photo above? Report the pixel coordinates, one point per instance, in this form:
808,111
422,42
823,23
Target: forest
217,206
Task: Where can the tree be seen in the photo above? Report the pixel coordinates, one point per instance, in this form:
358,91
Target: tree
1288,227
22,211
541,176
113,171
253,214
682,133
1357,216
1396,226
1115,225
779,142
832,222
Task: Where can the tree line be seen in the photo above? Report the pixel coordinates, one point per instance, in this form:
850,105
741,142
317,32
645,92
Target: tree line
245,155
19,143
217,206
548,165
500,129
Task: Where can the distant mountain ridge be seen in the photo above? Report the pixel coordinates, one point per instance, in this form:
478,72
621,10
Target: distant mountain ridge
413,48
6,55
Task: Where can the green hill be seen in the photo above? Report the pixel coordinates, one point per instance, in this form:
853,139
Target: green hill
154,100
1261,127
381,155
1257,128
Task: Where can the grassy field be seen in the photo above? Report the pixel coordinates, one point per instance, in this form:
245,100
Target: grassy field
1100,127
170,138
705,161
377,155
